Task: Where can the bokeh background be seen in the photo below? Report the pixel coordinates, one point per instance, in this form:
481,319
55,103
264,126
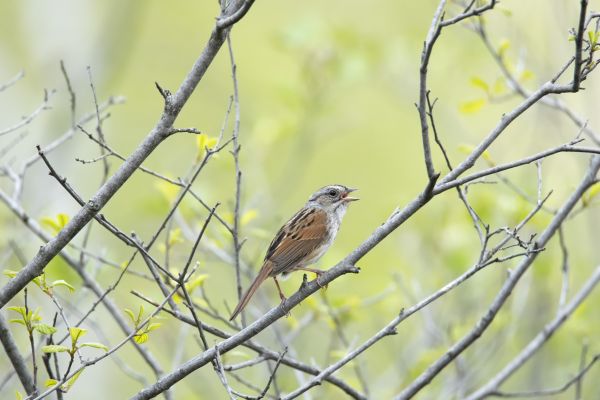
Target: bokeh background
327,92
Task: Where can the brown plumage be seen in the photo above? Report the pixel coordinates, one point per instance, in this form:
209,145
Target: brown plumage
303,239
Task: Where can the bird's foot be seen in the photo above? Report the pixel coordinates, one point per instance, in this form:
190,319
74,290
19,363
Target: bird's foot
283,300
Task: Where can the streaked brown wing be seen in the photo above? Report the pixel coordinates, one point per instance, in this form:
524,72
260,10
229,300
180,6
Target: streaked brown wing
296,240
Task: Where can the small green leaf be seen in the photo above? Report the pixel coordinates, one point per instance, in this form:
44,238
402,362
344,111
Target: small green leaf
18,395
17,321
62,282
471,107
503,47
55,348
248,217
468,149
10,273
45,329
140,338
72,380
40,281
20,310
526,75
34,316
140,314
153,326
203,142
198,281
480,83
62,219
587,198
50,382
499,86
130,314
56,224
175,237
94,345
76,333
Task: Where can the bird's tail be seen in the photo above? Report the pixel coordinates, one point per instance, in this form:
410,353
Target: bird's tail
260,278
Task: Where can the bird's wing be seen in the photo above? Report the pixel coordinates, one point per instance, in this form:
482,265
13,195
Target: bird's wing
296,240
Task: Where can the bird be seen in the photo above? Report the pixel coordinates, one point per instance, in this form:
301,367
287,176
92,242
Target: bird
302,240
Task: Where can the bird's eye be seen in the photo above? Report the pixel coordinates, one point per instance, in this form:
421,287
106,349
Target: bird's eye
332,193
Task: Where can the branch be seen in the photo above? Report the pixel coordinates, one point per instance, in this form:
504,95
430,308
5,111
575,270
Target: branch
88,281
435,368
550,392
235,233
17,361
545,334
26,120
435,29
578,46
111,351
114,183
262,351
225,22
565,148
12,81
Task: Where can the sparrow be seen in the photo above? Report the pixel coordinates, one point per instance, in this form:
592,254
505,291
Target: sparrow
303,240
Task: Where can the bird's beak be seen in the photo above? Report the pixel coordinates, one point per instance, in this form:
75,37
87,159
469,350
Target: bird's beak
347,198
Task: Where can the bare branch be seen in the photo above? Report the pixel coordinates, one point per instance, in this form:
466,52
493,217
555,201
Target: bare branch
95,204
235,233
28,119
263,351
15,357
226,21
491,388
12,81
435,368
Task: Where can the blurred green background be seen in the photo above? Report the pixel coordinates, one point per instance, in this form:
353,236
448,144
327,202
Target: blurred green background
327,92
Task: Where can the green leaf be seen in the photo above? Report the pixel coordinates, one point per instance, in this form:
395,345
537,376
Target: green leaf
175,237
480,83
526,75
153,326
40,281
62,282
503,47
140,338
10,273
72,380
94,345
17,321
18,395
471,107
140,314
499,86
45,329
587,198
468,149
34,316
55,348
56,224
591,37
20,310
198,281
50,382
130,315
76,333
203,142
248,217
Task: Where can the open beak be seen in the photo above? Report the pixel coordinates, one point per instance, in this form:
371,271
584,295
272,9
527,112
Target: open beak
347,198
